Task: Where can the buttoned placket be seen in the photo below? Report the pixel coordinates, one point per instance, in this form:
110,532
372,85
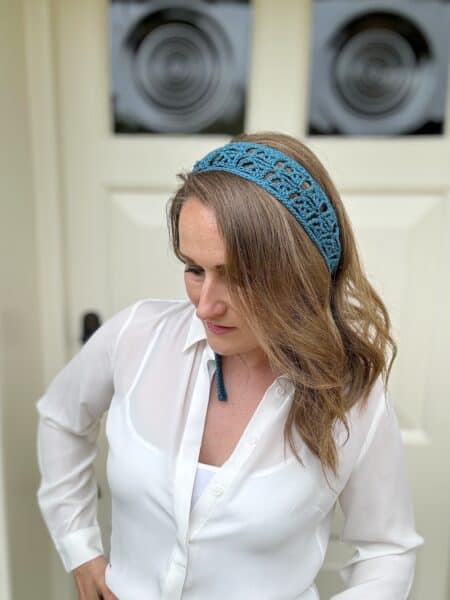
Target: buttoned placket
184,476
191,519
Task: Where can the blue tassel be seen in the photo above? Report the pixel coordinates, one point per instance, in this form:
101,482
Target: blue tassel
220,386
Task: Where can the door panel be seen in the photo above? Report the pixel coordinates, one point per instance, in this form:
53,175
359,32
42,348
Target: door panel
141,263
400,237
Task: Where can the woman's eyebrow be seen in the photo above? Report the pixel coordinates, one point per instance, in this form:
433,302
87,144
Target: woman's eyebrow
185,257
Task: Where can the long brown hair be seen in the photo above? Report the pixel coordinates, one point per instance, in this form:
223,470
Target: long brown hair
330,335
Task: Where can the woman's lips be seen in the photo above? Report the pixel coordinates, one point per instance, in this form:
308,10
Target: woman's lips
219,330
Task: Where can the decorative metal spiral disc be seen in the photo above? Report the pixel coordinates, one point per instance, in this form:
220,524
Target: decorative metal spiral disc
376,71
182,64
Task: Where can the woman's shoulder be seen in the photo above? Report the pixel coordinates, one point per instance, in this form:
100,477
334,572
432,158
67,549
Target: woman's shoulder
363,420
366,413
145,311
151,316
363,417
148,308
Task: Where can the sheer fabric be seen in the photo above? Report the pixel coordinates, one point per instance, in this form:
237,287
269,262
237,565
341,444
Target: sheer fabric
260,527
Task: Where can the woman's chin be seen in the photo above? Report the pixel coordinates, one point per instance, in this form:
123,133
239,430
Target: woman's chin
220,347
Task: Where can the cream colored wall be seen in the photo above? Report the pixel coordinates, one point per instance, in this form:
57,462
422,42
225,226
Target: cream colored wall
27,546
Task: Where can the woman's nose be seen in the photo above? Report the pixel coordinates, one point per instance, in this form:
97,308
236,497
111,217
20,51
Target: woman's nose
211,302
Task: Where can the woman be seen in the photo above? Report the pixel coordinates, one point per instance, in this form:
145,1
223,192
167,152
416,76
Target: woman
282,339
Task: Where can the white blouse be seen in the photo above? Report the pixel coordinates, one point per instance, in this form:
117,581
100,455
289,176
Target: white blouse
260,528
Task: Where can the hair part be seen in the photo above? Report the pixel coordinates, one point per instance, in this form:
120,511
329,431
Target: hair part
331,335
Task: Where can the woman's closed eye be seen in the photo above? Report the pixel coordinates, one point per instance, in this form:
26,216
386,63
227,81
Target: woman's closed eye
193,270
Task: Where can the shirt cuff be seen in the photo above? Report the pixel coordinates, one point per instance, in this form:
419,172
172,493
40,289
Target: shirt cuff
80,546
387,577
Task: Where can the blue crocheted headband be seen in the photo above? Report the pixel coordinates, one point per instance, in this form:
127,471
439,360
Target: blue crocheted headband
290,183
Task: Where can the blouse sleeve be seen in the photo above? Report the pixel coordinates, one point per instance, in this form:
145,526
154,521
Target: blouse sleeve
70,413
378,516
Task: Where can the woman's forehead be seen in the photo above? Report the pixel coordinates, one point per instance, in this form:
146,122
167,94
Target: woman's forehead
199,239
195,209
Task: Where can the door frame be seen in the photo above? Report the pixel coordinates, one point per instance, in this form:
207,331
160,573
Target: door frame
45,148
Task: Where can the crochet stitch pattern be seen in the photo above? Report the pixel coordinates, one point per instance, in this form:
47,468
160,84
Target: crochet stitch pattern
289,182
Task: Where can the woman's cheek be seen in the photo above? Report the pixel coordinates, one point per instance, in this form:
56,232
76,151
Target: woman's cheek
191,289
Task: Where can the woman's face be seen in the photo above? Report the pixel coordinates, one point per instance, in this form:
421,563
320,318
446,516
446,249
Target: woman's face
203,251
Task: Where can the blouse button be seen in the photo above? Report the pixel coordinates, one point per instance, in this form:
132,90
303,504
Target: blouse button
252,440
218,491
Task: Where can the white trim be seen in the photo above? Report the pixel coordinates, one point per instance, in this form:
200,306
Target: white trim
46,170
46,184
206,467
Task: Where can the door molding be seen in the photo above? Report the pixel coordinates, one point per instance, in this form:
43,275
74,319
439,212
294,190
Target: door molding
45,148
46,177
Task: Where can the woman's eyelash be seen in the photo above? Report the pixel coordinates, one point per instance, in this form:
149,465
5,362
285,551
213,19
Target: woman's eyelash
194,270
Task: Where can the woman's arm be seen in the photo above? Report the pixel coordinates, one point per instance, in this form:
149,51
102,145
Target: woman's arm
379,519
69,420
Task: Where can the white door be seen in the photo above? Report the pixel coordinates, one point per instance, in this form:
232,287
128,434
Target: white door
397,193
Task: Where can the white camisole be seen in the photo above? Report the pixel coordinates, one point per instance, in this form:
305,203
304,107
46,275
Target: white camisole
203,474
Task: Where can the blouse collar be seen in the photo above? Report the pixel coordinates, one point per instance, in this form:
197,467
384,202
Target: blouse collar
196,332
